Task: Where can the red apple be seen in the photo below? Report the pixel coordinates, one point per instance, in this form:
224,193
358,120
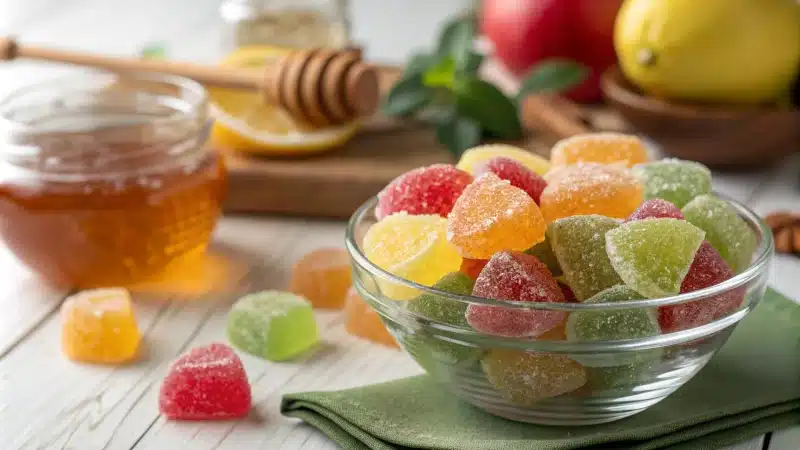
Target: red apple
525,32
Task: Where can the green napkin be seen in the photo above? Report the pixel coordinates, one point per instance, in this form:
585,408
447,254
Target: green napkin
750,387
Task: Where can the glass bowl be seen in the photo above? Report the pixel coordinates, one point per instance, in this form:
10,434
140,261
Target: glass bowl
549,380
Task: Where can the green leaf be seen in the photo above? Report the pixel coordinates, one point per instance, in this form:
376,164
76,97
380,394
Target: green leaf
440,75
153,51
418,64
473,63
456,40
459,134
553,76
484,103
407,96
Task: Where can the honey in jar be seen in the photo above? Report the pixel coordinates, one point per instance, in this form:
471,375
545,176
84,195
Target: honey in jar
107,181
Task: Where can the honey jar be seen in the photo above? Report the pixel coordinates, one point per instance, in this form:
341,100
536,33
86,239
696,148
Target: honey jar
108,180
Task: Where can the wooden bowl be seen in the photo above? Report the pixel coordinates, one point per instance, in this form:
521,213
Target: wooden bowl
720,136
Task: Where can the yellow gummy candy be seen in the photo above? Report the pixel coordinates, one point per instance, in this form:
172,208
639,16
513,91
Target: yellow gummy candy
603,148
476,155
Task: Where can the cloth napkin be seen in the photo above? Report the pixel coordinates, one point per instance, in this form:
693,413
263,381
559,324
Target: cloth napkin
750,387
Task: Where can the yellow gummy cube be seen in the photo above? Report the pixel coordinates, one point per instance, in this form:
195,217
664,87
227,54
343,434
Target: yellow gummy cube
98,326
603,148
476,155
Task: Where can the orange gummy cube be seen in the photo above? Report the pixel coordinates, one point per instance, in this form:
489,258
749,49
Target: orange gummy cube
98,326
322,277
605,148
364,322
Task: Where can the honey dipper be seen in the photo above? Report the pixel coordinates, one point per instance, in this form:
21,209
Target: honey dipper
323,87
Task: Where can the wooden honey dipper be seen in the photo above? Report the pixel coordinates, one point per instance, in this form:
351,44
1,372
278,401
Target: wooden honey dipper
323,87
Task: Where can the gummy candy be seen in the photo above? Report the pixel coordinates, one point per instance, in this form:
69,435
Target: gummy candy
656,209
207,383
543,251
725,230
604,148
652,256
470,159
364,322
473,267
441,309
602,378
273,325
492,215
425,190
579,243
524,378
98,326
518,277
516,173
569,296
411,247
707,269
674,180
559,333
322,277
590,188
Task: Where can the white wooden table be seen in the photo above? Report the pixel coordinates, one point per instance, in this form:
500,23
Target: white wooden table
48,402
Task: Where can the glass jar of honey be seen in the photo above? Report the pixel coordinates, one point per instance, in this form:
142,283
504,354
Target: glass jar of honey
108,180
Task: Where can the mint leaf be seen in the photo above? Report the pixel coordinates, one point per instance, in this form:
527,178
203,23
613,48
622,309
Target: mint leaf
418,64
456,41
406,97
459,134
489,107
153,51
440,75
473,63
552,76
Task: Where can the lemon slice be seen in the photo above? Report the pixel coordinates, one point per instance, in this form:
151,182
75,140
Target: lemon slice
244,122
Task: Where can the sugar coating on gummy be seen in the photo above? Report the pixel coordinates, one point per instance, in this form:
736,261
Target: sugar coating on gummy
518,277
442,309
472,267
543,251
492,215
674,180
425,190
604,148
273,325
362,321
579,243
322,277
206,383
656,209
653,256
516,173
474,156
725,230
525,378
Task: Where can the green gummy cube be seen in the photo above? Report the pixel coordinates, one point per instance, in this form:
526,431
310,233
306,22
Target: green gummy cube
441,309
606,378
543,251
273,325
728,233
674,180
579,244
653,256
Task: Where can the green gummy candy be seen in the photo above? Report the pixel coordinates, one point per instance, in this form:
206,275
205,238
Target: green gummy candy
579,243
728,233
606,378
653,256
543,251
273,325
674,180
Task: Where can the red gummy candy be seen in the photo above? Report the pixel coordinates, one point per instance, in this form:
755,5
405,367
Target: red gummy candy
472,267
656,209
207,383
517,174
519,277
569,296
425,190
707,269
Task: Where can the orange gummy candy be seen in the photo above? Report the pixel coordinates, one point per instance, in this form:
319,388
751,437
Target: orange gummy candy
322,277
583,189
98,326
364,322
605,148
492,215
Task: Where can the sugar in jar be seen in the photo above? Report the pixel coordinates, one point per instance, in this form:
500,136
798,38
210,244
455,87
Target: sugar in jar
107,180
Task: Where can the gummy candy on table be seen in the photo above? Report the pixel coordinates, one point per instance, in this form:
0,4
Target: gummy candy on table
707,269
472,157
518,277
674,180
653,256
604,148
725,230
424,190
590,188
516,173
473,267
656,209
99,326
543,251
364,322
579,243
524,378
412,247
206,383
273,325
492,215
322,277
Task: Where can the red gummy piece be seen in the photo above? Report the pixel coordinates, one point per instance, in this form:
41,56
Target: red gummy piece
473,267
569,296
707,269
425,190
516,173
656,209
520,277
207,383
